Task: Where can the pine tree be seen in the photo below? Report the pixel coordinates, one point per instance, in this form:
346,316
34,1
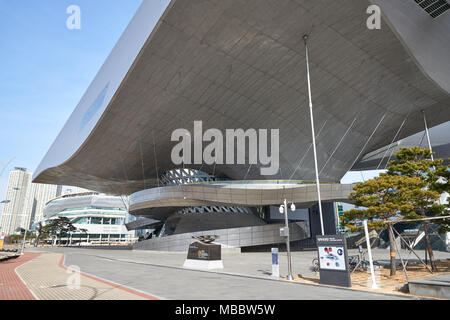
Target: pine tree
417,162
442,185
58,227
384,199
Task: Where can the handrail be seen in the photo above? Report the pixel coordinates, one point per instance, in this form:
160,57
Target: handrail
258,182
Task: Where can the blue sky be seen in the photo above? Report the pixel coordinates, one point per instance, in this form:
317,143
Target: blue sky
46,68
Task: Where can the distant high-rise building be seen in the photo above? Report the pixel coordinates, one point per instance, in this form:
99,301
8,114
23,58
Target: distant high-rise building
14,210
25,201
38,196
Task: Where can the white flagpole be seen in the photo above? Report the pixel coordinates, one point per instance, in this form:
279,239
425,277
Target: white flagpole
305,37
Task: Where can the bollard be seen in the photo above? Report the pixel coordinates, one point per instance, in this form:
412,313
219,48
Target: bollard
275,265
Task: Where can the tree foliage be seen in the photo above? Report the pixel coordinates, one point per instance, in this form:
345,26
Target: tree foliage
57,227
417,162
410,189
383,199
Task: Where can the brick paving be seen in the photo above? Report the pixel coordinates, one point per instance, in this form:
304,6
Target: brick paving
48,279
11,286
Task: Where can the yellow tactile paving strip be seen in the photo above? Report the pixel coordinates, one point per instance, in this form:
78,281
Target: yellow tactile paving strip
48,279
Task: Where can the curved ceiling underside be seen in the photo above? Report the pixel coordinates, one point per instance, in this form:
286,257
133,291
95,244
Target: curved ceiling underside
380,158
241,64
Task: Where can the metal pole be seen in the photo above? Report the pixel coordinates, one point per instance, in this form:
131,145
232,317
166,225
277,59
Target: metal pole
369,251
412,250
439,201
305,37
428,134
401,259
288,246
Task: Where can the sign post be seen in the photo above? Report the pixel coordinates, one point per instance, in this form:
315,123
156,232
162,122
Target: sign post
333,260
275,265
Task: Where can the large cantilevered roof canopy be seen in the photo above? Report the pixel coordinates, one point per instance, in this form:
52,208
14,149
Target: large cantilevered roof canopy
241,64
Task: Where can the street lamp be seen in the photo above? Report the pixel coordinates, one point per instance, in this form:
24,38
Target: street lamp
285,233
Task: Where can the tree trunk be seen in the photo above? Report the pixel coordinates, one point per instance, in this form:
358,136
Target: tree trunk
392,251
428,246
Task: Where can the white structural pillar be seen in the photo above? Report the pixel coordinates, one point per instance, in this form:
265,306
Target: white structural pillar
429,144
369,251
428,134
305,37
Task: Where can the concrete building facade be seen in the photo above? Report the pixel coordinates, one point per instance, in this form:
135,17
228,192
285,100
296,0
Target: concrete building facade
99,218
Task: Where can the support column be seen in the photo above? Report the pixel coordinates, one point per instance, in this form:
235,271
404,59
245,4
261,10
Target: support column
305,37
428,248
428,134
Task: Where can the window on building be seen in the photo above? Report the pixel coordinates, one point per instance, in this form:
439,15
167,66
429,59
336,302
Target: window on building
81,220
96,220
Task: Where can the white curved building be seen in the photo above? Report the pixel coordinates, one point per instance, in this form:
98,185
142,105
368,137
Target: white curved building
240,66
102,216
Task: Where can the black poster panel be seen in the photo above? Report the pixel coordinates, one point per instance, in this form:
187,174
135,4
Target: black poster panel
333,260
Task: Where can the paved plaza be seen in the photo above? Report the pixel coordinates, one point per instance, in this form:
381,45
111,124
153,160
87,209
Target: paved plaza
42,276
48,279
44,273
